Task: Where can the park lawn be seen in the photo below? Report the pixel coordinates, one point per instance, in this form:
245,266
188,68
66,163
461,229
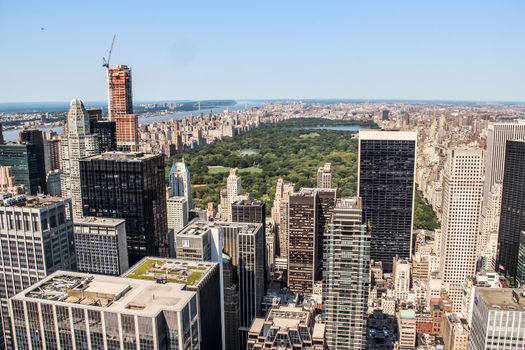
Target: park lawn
217,169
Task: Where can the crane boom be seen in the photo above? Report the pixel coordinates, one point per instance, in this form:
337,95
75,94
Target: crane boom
104,60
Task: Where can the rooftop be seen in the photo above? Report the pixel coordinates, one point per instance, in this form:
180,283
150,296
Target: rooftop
184,272
407,314
195,228
116,294
97,221
387,135
121,156
503,298
7,200
288,316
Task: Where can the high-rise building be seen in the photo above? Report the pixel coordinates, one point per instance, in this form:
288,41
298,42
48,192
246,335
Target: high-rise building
231,304
498,317
327,200
35,138
194,242
462,191
512,221
203,278
406,323
231,194
303,213
36,239
129,186
69,310
324,176
106,132
77,142
520,269
120,91
179,182
386,185
52,152
177,208
280,215
121,108
8,183
287,327
101,246
54,183
25,166
401,275
1,134
346,277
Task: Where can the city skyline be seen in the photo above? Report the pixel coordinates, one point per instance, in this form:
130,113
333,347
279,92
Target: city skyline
186,51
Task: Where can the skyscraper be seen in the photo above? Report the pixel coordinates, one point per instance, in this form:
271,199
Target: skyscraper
35,138
302,240
25,165
462,191
386,185
77,142
106,133
324,176
346,277
327,200
121,108
36,239
280,215
177,208
8,183
179,182
512,220
129,186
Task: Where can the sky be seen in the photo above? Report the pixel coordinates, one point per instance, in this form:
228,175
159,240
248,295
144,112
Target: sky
178,50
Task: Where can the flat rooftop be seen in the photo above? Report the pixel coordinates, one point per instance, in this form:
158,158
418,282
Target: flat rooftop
28,201
289,316
195,228
387,135
97,221
184,272
503,298
116,294
121,156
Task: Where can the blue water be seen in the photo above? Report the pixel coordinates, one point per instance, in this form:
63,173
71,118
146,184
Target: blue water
351,127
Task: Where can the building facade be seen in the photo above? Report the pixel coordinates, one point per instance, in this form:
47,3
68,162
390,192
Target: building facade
36,239
178,215
77,142
462,192
386,185
346,277
324,176
25,166
101,246
180,183
512,221
129,186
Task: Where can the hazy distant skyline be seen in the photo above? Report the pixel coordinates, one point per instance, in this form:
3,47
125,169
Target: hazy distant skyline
194,50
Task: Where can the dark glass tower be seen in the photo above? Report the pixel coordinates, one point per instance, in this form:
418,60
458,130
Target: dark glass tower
129,186
386,185
27,168
107,134
512,216
36,138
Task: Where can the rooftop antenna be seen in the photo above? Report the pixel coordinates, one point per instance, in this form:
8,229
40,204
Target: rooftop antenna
105,63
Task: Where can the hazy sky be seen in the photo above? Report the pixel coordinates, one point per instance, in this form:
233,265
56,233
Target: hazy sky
460,50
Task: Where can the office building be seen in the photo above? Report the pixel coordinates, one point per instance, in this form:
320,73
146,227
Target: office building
106,131
129,186
179,182
386,185
283,190
25,166
324,176
327,199
77,142
462,191
36,239
8,183
127,132
406,323
231,305
303,213
54,183
346,277
203,278
520,269
231,194
287,327
101,246
52,152
194,242
498,319
512,221
71,310
177,208
455,332
35,137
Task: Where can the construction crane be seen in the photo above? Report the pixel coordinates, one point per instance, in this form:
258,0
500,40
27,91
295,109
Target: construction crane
104,60
105,63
